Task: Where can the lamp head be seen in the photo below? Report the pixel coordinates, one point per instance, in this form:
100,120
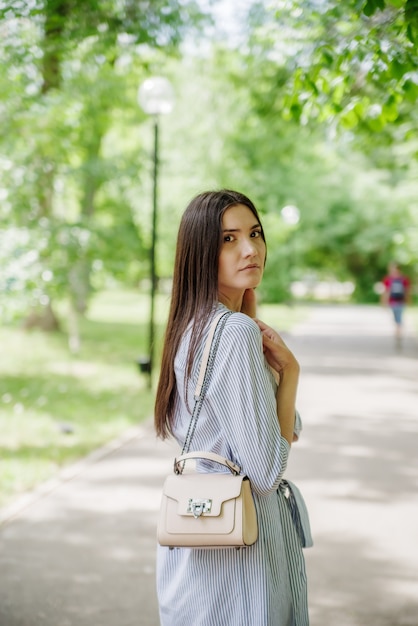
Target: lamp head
156,96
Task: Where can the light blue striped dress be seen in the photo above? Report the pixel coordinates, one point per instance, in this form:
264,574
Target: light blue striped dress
263,584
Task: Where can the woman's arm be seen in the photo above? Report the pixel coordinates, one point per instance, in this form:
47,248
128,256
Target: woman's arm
241,398
285,365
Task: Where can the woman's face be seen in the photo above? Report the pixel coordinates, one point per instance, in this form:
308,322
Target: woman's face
243,252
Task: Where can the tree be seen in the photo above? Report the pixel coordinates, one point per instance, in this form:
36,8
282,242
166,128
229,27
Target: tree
354,216
348,80
351,62
70,70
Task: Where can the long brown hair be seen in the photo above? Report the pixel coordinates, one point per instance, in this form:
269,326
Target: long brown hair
195,289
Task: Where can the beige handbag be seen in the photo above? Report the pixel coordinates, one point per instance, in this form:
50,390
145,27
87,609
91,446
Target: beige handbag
206,510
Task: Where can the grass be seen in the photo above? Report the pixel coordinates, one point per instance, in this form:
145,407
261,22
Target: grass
55,407
46,392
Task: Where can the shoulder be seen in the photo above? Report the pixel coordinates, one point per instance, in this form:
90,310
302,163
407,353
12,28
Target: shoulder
241,326
241,343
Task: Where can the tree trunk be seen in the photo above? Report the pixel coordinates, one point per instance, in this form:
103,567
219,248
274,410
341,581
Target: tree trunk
56,13
42,318
79,274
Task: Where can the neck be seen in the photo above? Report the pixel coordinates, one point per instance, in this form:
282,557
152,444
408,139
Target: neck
233,304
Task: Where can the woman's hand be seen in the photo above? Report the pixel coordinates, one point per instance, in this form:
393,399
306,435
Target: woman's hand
278,355
286,371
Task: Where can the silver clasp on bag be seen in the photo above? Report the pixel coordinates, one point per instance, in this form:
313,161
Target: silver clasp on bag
197,507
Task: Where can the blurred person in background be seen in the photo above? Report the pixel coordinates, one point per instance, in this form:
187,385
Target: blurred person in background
396,295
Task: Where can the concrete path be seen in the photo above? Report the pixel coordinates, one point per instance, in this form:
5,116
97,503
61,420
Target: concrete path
80,550
357,466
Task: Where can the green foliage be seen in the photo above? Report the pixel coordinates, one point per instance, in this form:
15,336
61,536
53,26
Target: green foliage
357,202
70,164
359,69
67,23
327,126
320,98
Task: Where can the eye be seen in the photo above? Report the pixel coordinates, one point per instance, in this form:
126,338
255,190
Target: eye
228,238
256,233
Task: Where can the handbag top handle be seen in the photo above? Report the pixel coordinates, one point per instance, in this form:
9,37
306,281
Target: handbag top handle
211,456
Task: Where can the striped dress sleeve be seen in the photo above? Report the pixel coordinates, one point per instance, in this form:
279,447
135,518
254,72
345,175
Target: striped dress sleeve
241,397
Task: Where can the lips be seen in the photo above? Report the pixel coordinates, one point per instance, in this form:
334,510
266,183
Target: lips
253,266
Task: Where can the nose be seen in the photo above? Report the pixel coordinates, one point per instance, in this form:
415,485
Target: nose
249,248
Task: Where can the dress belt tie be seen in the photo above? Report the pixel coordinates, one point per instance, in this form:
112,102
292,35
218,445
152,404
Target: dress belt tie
286,490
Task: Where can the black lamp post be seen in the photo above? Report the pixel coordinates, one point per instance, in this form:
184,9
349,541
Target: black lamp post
156,97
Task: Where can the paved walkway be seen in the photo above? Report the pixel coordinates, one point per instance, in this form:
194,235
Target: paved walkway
80,550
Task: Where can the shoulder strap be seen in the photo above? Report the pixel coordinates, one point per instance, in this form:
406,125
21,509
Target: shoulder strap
206,365
206,353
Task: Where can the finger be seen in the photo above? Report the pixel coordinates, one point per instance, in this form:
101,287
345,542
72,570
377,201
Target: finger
274,338
261,325
267,340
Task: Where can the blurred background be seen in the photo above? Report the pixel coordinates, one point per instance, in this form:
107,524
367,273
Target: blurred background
114,114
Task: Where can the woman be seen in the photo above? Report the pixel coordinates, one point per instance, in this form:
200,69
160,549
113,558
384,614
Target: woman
245,416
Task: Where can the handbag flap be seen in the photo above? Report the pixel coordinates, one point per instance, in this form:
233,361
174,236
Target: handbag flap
216,488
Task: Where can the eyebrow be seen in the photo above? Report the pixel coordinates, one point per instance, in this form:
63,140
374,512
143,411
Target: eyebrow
237,230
